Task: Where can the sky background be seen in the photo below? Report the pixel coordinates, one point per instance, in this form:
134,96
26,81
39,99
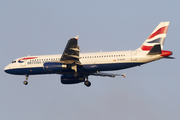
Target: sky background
42,27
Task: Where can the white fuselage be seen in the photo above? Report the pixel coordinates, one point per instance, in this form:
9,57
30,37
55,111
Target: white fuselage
113,59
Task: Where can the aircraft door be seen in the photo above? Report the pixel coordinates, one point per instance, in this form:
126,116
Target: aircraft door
23,63
133,55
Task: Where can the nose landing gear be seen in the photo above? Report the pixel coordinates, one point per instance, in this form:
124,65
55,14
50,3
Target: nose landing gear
26,82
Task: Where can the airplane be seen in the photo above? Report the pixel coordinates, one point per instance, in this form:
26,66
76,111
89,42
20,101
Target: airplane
75,67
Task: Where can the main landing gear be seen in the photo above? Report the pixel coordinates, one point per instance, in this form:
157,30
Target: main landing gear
87,83
26,82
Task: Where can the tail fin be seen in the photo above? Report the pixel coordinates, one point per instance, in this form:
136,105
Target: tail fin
157,37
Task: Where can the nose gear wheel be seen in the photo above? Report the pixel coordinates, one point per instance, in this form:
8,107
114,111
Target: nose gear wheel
26,82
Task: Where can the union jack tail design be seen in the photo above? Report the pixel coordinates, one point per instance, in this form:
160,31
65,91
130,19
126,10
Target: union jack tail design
157,37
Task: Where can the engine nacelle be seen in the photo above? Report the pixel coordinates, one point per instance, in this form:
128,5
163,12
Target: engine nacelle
54,67
70,79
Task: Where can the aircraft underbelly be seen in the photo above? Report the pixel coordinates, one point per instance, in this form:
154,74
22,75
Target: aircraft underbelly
110,66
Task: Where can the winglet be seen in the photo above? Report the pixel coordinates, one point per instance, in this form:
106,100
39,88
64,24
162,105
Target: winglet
124,75
76,37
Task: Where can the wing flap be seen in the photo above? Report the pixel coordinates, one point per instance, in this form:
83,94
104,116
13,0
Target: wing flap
75,49
73,56
71,52
108,74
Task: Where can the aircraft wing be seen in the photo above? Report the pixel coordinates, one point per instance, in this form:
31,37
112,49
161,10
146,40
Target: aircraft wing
71,52
108,74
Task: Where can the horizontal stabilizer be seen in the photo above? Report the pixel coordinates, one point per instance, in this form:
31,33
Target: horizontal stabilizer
156,49
169,57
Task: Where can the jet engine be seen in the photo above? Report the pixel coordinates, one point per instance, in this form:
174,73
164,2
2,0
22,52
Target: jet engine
70,79
54,67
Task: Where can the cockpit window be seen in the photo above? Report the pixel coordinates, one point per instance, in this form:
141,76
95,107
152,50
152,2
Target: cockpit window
13,61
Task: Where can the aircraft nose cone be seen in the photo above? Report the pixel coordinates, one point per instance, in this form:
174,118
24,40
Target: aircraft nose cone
6,69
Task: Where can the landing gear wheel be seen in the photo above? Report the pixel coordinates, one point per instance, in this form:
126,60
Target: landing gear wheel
87,83
25,82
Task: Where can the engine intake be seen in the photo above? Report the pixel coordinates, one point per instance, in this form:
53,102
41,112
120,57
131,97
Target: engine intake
70,79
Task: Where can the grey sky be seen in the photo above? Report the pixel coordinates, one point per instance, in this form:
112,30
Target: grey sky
40,27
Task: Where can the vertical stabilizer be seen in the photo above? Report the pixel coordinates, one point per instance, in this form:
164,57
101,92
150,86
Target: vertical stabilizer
157,37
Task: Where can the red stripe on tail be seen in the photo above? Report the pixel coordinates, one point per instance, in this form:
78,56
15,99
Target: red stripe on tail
146,48
159,31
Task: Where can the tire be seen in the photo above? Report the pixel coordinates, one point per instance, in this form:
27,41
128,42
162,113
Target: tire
87,83
25,82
